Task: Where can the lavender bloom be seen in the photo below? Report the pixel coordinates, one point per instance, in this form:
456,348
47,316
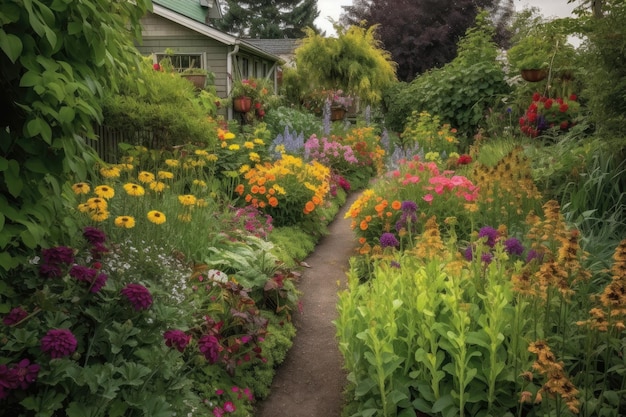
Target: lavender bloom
388,240
210,347
469,253
177,339
326,117
138,296
15,316
490,233
59,343
292,142
513,246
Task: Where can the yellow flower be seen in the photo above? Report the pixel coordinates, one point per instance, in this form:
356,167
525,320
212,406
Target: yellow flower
172,162
125,167
254,157
248,145
134,189
165,175
83,208
201,202
104,191
100,215
127,222
96,203
187,199
81,188
199,183
229,135
259,141
110,172
233,147
201,152
145,177
244,168
156,217
211,157
157,186
185,218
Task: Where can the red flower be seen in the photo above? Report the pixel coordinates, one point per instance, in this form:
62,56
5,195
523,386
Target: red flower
536,97
156,67
464,159
563,107
548,103
573,97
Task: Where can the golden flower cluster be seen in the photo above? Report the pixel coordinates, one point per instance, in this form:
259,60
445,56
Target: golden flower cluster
557,382
429,244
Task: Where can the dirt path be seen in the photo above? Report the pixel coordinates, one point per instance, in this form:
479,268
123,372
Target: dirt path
311,380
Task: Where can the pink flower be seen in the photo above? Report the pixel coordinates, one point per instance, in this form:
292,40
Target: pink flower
229,407
59,343
177,339
428,198
138,295
15,316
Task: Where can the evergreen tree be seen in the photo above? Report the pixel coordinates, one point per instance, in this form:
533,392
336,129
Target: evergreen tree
268,19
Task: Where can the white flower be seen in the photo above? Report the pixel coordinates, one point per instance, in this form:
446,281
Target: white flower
217,276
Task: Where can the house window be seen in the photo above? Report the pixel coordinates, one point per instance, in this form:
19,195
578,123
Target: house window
181,62
245,67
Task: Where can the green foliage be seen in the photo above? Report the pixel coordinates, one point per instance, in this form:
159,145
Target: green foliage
460,92
296,121
292,244
353,62
426,131
54,69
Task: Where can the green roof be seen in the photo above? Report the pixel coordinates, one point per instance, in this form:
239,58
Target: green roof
188,8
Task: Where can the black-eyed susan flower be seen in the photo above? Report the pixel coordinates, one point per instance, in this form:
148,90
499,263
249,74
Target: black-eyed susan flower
134,189
157,186
201,152
125,222
110,172
187,199
104,191
81,188
145,177
97,203
173,163
83,208
156,217
165,175
99,215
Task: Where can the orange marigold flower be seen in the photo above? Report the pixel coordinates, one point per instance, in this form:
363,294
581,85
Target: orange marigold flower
273,201
363,225
309,206
396,205
239,189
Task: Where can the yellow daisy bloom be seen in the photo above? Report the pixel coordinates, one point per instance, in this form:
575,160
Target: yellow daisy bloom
81,188
110,172
104,191
233,147
96,203
100,215
201,152
187,199
126,222
134,189
156,217
201,202
165,175
145,177
211,157
254,157
199,183
258,141
157,186
83,208
172,162
229,135
248,145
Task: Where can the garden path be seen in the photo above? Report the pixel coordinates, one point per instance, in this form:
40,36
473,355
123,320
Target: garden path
310,382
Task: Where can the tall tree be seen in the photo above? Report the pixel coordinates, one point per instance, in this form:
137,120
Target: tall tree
268,19
420,34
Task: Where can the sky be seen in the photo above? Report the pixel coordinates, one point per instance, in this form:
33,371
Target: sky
332,8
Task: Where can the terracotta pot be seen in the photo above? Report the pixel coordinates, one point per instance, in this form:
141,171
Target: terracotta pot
534,75
242,104
198,80
337,113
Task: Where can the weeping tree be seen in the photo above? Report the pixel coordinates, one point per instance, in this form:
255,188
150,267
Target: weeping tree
354,62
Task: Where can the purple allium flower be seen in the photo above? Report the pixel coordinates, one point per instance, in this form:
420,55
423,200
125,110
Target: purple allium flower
15,316
533,254
490,233
94,235
177,339
486,257
388,240
138,295
59,343
409,206
210,347
469,253
58,255
23,374
513,246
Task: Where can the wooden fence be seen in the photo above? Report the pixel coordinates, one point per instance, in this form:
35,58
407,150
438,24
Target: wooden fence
108,140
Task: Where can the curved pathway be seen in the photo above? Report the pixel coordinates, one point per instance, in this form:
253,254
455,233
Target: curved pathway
310,382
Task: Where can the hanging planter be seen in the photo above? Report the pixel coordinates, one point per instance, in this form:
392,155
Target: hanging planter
337,113
534,75
242,104
198,80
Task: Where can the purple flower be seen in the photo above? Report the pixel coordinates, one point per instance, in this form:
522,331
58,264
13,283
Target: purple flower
50,271
58,255
15,316
177,339
94,235
513,246
59,343
23,374
83,273
210,347
490,233
218,412
486,257
388,240
533,254
469,253
138,295
394,264
99,282
409,206
229,407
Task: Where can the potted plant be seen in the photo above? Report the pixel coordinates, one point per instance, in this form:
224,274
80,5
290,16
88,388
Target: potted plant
339,104
531,57
197,76
244,93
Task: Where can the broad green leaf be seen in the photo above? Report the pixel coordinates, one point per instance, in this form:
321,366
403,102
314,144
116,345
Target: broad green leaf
66,115
442,403
11,45
4,164
12,178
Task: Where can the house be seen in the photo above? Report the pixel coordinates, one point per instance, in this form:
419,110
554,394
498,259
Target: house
183,28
